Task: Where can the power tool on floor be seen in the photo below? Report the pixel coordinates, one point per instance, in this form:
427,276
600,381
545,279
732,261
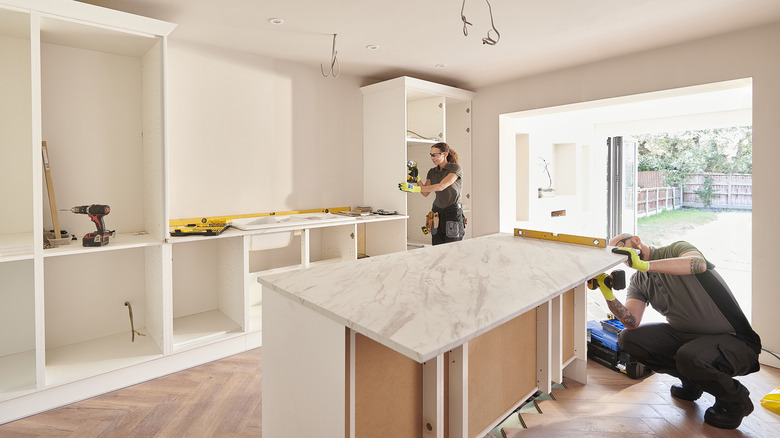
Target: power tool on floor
96,212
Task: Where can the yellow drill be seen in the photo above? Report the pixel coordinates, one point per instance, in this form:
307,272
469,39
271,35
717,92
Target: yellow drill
412,172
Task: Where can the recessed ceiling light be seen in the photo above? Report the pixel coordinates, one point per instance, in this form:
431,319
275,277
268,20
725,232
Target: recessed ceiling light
275,20
440,65
372,47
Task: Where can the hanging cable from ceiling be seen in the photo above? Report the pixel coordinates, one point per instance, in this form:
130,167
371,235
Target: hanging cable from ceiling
335,69
489,40
463,17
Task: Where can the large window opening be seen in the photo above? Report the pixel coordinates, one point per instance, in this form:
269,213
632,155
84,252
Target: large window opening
555,172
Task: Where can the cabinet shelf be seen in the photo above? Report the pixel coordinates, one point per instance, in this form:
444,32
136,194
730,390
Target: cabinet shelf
202,328
98,356
16,246
115,243
421,140
18,376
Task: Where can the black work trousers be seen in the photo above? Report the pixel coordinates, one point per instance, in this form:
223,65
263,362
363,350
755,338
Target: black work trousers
451,225
709,361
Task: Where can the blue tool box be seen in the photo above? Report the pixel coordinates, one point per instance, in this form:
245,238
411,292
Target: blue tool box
603,348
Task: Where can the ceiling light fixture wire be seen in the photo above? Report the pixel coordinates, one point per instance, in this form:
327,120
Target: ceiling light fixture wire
488,39
334,62
463,17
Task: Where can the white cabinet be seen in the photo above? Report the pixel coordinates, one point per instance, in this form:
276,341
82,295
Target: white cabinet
402,119
91,83
216,296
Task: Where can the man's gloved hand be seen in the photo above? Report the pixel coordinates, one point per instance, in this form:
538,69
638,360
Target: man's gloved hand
605,290
633,258
407,187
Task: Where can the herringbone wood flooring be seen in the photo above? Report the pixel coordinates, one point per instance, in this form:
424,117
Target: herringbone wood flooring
223,399
217,399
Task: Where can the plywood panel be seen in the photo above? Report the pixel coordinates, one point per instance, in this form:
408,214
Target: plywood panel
388,392
502,369
567,304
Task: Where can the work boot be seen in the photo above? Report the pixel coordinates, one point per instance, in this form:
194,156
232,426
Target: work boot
729,414
688,391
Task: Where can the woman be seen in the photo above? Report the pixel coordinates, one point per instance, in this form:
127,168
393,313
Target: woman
446,180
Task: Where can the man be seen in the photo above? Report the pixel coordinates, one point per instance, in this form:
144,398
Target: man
706,340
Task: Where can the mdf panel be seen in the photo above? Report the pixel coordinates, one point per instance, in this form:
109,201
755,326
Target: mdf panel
567,333
388,392
502,368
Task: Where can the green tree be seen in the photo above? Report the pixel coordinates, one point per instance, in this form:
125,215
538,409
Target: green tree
721,150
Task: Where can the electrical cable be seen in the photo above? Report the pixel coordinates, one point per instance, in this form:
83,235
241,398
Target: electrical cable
463,17
776,356
488,40
408,131
333,62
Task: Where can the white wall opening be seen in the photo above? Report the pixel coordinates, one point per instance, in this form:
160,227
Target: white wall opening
571,141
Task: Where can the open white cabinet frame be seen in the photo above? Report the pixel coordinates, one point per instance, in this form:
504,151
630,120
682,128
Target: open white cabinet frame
402,119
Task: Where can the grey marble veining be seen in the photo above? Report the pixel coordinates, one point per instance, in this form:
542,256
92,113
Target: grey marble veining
426,301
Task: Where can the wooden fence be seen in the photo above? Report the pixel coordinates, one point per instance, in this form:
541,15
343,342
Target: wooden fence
657,199
733,191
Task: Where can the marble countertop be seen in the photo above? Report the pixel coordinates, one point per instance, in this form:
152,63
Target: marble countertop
426,301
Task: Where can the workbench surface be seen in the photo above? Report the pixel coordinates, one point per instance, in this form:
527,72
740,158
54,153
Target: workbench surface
426,301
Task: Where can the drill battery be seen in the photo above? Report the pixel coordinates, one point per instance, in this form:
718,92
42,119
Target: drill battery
603,348
96,238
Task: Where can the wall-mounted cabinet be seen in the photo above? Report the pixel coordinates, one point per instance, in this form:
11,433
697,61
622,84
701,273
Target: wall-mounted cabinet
402,119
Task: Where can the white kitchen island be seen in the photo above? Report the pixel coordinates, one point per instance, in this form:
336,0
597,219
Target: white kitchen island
441,341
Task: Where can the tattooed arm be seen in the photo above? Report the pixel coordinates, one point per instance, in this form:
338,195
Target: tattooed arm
630,314
691,262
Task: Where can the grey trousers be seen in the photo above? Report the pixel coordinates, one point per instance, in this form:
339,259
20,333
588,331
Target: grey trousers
709,361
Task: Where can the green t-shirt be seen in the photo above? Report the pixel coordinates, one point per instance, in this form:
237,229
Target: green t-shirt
680,298
450,195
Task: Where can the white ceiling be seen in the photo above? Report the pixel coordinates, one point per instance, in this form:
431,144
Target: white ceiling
415,35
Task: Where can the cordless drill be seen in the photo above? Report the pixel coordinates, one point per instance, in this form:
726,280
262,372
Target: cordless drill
95,213
616,280
412,172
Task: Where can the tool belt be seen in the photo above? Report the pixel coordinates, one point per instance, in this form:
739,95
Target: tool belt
431,222
452,216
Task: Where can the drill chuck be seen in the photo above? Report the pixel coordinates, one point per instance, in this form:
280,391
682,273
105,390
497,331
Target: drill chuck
92,209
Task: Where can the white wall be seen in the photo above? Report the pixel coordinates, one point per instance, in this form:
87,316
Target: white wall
252,135
749,53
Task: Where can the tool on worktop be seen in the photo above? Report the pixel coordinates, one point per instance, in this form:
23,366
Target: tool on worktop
207,227
96,212
216,219
412,173
568,238
55,237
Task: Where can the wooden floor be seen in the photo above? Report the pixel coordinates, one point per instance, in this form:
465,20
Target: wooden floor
223,399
